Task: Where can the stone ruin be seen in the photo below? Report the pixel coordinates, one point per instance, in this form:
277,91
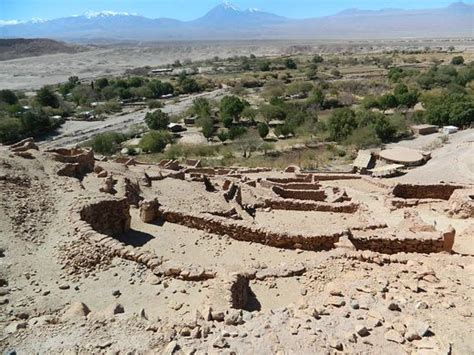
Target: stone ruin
75,162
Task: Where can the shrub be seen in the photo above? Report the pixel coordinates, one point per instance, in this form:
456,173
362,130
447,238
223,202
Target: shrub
290,64
46,97
107,143
341,124
155,141
236,131
8,97
263,129
207,125
232,106
223,136
451,109
157,120
458,60
363,137
10,130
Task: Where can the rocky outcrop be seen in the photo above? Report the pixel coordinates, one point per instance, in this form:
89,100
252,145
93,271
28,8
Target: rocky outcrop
461,204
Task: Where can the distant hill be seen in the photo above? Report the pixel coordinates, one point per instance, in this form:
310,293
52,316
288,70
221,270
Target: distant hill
226,21
21,47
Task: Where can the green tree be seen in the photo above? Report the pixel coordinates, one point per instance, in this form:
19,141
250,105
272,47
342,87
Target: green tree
317,59
449,109
201,107
155,141
207,126
107,143
8,97
458,60
387,101
263,129
232,106
157,120
101,83
10,130
290,64
264,66
341,123
46,97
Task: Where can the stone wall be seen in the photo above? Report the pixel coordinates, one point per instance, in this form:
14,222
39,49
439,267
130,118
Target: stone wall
77,162
298,205
310,195
306,178
241,230
439,191
333,176
382,242
110,217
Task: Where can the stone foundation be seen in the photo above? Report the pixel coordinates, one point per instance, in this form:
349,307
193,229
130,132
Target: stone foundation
77,162
380,241
110,217
310,195
298,205
239,230
439,191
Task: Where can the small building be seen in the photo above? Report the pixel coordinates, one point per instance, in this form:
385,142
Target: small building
161,70
424,129
175,128
190,121
449,129
275,123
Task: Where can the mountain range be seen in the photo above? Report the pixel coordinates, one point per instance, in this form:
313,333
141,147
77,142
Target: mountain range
226,21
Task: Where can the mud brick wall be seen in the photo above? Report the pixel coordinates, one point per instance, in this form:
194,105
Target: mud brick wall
110,217
440,191
298,205
239,230
391,245
310,195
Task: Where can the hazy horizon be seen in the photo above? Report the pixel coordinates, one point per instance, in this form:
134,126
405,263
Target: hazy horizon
23,10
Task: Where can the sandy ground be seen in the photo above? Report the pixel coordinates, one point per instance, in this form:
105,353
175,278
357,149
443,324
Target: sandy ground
451,163
298,314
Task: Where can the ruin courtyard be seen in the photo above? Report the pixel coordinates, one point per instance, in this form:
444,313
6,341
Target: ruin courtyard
108,255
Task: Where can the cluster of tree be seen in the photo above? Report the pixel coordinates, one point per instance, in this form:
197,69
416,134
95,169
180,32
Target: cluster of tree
446,75
402,97
364,128
17,122
449,108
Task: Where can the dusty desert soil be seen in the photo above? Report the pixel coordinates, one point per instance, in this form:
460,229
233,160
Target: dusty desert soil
112,59
299,301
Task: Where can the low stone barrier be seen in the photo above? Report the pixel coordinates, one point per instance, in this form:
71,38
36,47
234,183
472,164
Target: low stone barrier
310,195
239,230
109,216
333,176
305,178
438,191
382,242
77,162
299,205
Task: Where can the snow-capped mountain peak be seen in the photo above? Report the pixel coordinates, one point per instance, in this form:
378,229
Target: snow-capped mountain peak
100,14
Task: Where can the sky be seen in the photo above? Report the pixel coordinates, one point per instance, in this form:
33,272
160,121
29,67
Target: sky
191,9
